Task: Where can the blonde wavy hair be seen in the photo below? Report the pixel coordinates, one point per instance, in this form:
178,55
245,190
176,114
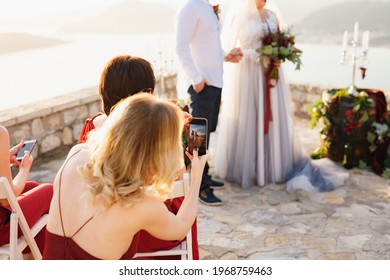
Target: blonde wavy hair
138,149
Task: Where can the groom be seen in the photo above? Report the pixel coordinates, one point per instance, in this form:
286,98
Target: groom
198,47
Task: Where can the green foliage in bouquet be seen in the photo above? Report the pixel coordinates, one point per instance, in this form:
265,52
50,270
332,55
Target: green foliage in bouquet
279,46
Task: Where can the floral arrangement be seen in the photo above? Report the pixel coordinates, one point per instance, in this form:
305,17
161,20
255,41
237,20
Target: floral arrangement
352,132
277,47
216,10
183,103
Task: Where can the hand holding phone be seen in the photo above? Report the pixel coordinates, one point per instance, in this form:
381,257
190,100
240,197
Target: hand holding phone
197,137
28,146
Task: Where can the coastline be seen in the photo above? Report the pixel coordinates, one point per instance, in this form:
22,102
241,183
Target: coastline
16,42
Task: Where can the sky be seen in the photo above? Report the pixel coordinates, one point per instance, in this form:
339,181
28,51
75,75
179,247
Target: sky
12,9
292,11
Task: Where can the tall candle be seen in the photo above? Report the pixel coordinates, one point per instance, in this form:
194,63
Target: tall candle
345,40
356,32
367,39
364,40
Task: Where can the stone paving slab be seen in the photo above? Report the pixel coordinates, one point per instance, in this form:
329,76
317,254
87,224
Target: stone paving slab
352,222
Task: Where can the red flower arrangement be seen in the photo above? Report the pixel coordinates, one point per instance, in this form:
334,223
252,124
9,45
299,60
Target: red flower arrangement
216,10
354,120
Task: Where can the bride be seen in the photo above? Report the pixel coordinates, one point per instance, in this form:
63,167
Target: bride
251,150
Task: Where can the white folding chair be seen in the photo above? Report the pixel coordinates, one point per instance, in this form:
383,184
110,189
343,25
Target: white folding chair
13,250
184,249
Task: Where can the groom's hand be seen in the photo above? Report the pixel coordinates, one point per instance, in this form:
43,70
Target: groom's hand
199,87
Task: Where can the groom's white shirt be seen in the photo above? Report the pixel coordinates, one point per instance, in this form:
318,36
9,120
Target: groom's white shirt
198,43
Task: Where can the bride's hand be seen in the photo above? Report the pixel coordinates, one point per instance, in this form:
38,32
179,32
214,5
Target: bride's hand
234,55
277,63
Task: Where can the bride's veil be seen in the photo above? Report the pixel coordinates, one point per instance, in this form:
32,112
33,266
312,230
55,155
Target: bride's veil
271,5
239,11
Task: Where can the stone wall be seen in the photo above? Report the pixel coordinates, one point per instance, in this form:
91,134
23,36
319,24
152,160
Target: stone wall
53,122
58,121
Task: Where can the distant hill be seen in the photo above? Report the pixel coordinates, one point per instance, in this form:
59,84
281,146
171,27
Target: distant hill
335,19
130,16
12,42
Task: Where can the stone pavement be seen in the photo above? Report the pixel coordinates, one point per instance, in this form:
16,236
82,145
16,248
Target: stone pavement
352,222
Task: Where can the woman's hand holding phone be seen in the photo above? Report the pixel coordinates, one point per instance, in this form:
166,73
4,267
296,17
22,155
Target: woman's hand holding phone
197,164
14,151
26,161
21,153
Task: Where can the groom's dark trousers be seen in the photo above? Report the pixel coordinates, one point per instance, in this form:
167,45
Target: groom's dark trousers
206,104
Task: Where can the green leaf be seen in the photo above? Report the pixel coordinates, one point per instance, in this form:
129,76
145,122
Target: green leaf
371,137
386,173
365,117
372,148
284,51
275,51
267,50
362,164
319,153
356,107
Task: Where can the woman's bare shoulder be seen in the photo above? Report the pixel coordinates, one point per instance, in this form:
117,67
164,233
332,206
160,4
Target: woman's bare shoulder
148,205
99,120
3,131
78,155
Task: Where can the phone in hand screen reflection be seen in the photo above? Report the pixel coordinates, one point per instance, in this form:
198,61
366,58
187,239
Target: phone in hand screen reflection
197,137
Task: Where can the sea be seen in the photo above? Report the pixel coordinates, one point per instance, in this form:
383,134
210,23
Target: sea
37,74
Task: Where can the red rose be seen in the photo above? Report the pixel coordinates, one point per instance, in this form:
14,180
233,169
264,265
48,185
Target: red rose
216,10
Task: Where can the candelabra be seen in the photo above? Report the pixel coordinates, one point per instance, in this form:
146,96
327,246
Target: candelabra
161,55
163,63
362,57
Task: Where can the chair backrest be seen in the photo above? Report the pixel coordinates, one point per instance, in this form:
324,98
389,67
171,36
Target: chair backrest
184,249
16,245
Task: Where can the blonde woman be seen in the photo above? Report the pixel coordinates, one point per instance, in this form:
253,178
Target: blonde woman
115,184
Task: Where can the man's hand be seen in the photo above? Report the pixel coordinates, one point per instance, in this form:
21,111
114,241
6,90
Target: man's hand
234,55
199,87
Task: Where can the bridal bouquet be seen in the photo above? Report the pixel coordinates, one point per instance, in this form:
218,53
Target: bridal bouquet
278,47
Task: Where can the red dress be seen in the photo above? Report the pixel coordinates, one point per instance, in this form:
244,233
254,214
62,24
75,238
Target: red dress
147,242
34,202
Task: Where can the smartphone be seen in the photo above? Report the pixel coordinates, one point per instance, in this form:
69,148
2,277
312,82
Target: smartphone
197,136
28,146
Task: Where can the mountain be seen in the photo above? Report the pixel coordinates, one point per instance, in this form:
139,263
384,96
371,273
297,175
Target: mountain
12,42
295,11
332,21
130,16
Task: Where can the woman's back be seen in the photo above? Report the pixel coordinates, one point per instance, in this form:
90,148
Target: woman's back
82,228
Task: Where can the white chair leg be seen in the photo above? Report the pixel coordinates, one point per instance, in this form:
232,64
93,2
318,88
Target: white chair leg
13,242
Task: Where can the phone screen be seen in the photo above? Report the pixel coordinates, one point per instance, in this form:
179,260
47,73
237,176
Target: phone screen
197,137
28,146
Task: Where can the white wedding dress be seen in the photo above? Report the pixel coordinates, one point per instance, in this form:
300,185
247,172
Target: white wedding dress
244,154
